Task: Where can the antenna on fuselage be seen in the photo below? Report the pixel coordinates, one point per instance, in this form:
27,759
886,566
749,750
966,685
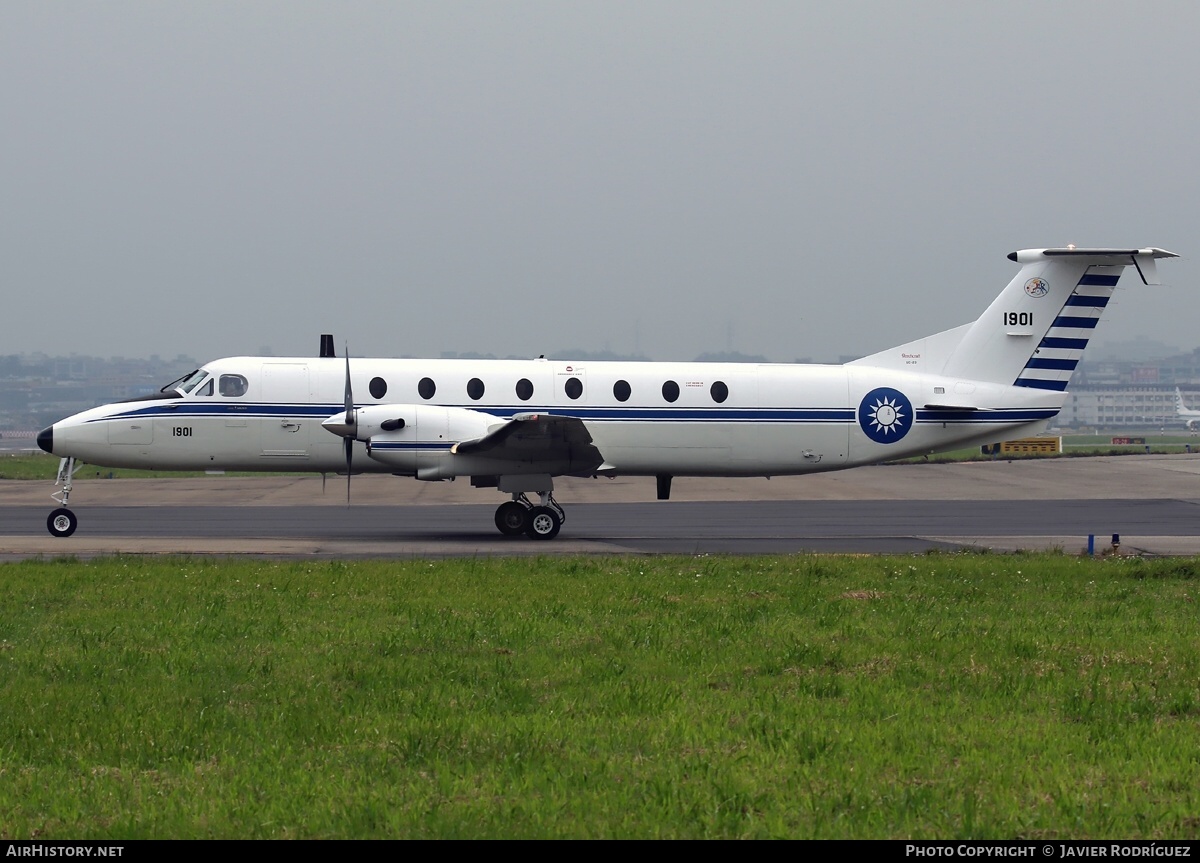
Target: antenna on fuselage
327,348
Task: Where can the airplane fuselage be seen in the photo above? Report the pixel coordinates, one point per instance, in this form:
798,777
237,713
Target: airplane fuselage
681,419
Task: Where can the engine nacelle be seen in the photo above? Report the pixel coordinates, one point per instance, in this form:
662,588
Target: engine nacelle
424,440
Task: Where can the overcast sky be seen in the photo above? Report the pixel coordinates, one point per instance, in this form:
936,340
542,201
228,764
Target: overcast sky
791,179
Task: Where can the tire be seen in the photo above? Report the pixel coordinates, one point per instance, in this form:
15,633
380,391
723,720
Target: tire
512,518
62,522
544,523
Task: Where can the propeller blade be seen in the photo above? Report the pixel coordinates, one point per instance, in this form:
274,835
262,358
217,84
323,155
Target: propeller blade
351,415
351,424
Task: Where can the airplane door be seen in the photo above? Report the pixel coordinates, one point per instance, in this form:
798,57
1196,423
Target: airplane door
285,426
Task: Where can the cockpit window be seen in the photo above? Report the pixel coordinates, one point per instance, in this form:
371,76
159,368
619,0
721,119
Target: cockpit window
233,385
186,383
205,389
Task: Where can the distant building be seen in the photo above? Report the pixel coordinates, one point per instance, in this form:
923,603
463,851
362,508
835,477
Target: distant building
1120,407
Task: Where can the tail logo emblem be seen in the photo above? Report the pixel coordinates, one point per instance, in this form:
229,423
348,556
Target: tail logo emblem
885,415
1037,287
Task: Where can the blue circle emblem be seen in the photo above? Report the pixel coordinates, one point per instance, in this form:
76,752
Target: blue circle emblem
885,415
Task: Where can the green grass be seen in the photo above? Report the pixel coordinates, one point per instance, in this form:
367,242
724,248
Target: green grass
930,696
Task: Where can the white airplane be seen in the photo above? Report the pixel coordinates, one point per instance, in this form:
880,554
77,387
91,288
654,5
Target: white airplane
514,425
1190,417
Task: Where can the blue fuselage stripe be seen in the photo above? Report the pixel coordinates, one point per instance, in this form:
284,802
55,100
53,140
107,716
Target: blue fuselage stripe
797,416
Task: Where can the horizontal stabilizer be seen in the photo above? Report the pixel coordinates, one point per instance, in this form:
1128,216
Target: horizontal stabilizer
1142,259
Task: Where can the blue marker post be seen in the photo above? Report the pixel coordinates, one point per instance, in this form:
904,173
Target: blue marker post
1116,542
1091,545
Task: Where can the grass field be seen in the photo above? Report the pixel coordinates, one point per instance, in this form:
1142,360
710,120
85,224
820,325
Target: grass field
933,696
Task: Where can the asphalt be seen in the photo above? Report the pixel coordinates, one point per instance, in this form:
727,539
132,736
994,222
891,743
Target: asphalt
1151,502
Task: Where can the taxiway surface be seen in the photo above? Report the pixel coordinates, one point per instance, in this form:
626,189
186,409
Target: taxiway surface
1152,502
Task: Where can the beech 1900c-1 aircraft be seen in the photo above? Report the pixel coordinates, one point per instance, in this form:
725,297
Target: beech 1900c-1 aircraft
514,425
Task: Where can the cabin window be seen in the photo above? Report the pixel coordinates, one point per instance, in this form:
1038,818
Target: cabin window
719,391
670,391
233,385
524,389
426,388
378,388
621,391
475,388
573,387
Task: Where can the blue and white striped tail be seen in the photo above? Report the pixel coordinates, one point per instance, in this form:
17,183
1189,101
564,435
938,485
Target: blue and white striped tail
1060,350
1035,331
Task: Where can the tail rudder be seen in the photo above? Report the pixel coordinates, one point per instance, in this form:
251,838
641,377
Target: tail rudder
1059,347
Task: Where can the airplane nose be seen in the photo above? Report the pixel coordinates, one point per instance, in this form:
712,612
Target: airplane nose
45,439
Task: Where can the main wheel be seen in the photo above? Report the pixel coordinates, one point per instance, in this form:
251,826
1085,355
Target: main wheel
62,522
512,518
544,523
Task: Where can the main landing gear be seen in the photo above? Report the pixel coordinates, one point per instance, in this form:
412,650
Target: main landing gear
521,516
62,522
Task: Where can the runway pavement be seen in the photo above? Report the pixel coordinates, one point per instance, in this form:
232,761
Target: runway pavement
1152,502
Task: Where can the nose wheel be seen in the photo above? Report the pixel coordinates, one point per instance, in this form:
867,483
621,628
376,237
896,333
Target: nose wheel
62,522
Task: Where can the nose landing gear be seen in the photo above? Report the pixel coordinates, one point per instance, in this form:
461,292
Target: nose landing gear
62,522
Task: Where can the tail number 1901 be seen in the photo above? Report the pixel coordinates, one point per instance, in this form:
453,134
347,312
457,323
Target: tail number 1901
1018,319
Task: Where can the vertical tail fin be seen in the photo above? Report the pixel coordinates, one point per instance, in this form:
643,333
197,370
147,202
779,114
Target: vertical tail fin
1033,334
1060,349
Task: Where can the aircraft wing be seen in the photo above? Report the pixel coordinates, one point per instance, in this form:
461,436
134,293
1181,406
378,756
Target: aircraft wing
534,438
